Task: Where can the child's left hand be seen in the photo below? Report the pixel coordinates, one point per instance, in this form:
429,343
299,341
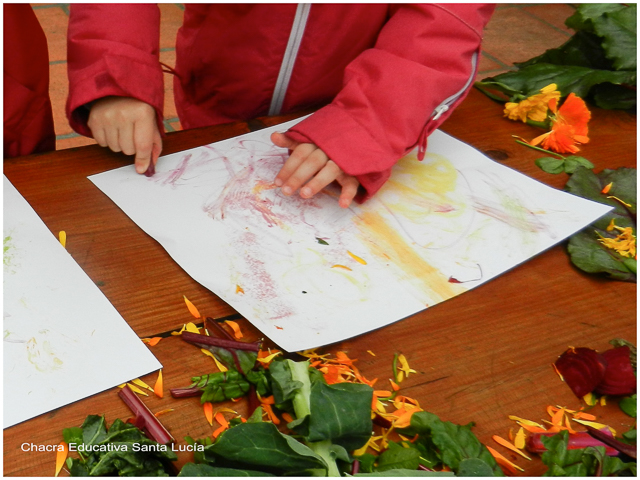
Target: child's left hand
308,165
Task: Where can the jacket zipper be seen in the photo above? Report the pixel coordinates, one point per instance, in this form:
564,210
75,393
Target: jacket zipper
444,107
290,55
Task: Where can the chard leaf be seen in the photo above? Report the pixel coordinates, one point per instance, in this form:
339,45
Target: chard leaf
454,442
398,456
405,473
583,17
94,430
572,162
550,164
586,252
581,462
474,467
340,413
203,470
629,405
263,447
72,435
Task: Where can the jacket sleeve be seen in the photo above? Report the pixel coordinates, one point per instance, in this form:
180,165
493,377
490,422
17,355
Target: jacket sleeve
113,49
395,94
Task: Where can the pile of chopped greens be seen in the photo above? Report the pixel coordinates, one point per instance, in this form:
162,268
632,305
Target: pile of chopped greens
598,63
121,450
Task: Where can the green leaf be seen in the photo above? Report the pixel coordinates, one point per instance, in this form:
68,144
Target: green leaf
321,241
397,456
531,79
474,467
629,405
550,164
591,256
572,162
203,470
405,473
94,429
619,39
341,413
585,14
261,446
454,442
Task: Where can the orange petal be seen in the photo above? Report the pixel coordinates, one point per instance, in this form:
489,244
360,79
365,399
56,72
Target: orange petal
236,328
61,456
272,416
267,400
394,385
556,419
341,266
221,420
208,412
509,445
371,353
157,388
382,393
162,412
192,308
286,417
607,188
152,342
584,416
218,431
503,462
239,289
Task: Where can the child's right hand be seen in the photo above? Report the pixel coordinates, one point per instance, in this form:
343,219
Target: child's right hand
127,125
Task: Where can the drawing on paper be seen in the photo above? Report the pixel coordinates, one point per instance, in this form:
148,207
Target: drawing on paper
59,331
308,273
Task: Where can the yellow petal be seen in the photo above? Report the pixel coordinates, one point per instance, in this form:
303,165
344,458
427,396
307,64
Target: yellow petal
137,390
524,421
356,258
520,438
162,412
191,327
63,240
590,399
596,425
239,289
220,366
268,358
157,388
501,460
140,383
341,266
192,308
371,353
61,456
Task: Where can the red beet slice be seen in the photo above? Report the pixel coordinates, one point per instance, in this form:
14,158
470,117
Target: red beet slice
619,378
582,369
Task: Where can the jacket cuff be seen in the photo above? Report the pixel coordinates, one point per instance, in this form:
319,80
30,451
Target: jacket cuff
111,76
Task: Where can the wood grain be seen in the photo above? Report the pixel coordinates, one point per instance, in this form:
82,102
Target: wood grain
480,356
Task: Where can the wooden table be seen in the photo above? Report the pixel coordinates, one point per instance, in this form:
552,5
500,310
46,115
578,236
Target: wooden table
480,356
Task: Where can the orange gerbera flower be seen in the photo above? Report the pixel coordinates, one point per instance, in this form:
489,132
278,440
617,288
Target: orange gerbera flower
569,126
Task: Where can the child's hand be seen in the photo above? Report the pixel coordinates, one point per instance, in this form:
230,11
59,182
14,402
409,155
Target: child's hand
310,166
127,125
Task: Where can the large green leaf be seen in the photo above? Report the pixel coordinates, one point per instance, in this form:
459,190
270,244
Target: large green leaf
261,446
203,470
586,252
583,17
454,442
341,413
405,473
398,456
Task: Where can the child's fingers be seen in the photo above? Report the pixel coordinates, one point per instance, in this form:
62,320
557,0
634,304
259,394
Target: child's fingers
144,136
349,190
281,140
291,165
125,138
324,177
310,166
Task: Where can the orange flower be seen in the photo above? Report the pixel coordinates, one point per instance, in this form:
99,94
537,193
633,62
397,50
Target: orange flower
569,126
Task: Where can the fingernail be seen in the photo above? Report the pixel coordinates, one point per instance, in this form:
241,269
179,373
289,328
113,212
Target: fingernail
278,182
287,190
305,192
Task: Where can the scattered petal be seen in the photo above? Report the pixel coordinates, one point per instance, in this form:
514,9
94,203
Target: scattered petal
341,266
503,462
191,327
606,188
509,445
208,412
356,258
239,289
192,308
218,431
157,388
266,358
142,384
371,353
152,342
62,235
286,417
61,456
221,420
137,390
235,327
272,416
162,412
596,425
220,366
520,439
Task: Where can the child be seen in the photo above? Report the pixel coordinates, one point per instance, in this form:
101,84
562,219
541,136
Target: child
28,118
392,74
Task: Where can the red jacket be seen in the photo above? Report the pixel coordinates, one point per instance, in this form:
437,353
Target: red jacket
392,73
28,119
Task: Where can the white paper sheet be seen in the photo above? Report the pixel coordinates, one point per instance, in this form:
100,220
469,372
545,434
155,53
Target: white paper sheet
63,340
437,229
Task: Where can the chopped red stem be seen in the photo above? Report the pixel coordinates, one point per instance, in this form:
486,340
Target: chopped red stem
210,322
625,448
144,419
205,341
576,440
254,402
355,467
185,392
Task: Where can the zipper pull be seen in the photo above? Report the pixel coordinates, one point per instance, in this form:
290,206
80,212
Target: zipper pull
440,109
